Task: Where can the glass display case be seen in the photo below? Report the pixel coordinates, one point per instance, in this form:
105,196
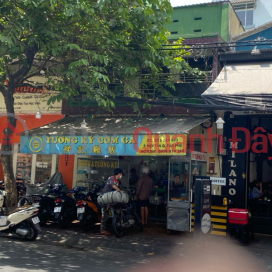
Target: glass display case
43,167
23,169
198,168
179,186
179,181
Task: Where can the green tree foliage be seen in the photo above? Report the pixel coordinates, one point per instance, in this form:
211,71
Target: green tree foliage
81,46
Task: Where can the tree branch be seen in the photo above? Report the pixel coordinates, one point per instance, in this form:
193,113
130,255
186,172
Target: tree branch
30,53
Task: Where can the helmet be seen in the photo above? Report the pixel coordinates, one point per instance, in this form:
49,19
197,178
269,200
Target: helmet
145,169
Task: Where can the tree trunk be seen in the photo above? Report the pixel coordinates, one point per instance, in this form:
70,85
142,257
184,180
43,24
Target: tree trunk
7,148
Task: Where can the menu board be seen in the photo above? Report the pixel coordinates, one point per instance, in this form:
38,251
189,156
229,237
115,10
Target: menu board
202,202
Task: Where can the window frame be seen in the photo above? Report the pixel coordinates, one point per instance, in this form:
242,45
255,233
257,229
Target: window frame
251,5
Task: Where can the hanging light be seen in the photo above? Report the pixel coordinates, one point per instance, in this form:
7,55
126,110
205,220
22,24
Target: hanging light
220,123
38,114
83,124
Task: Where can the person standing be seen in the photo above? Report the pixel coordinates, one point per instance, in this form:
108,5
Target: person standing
144,187
111,185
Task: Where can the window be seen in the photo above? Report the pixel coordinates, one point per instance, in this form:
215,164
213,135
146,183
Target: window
175,21
245,12
174,32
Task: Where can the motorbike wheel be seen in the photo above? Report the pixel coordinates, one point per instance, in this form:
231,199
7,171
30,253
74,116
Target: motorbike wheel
32,233
63,221
138,224
86,225
43,220
139,227
117,229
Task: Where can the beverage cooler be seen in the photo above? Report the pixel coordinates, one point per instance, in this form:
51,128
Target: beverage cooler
179,188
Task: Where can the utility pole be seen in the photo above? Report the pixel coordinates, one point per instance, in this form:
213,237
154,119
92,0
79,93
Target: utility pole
215,64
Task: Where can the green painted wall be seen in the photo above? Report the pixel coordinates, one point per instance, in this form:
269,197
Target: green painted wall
225,22
215,20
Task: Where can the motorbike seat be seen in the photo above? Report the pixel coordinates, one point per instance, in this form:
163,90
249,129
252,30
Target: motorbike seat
37,195
19,209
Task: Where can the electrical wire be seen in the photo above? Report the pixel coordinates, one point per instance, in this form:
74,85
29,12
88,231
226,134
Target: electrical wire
249,41
211,47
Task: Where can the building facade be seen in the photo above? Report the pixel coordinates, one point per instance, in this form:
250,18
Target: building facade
208,22
252,13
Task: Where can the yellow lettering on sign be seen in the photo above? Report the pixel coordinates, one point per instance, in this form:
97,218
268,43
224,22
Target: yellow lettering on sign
101,140
75,140
91,138
61,140
114,141
67,140
84,140
48,140
125,140
132,141
103,164
107,140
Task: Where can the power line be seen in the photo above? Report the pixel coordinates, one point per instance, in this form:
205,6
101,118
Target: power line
249,41
211,47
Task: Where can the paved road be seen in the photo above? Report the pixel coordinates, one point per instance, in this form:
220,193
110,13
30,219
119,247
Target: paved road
182,254
19,255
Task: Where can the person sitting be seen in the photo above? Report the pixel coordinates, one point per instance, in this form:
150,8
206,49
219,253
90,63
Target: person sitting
257,188
176,182
176,187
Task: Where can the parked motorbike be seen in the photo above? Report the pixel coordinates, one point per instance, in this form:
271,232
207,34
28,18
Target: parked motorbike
22,221
65,210
124,215
88,210
21,189
46,206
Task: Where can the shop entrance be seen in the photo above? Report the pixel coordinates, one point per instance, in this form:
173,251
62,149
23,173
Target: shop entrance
260,168
179,186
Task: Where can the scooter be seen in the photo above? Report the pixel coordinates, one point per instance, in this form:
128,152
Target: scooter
65,211
23,221
46,203
88,212
124,215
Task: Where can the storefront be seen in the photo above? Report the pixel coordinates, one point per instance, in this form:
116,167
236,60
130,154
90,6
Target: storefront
161,143
248,157
32,111
33,168
248,86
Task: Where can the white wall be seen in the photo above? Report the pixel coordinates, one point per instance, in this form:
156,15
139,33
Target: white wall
263,12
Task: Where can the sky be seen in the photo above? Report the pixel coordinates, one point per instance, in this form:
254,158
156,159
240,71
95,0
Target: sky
176,3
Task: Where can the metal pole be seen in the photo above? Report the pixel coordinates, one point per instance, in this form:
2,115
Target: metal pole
215,63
